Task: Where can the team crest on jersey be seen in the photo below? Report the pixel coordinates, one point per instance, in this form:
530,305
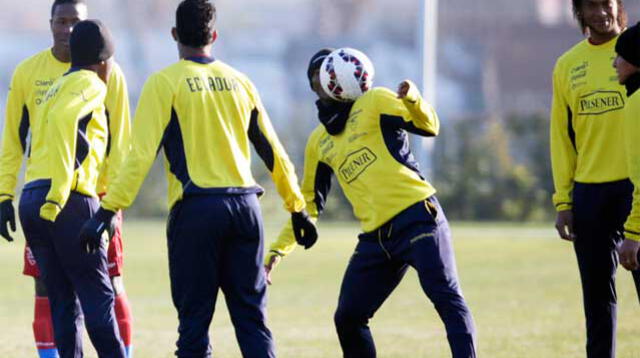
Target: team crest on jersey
600,102
356,163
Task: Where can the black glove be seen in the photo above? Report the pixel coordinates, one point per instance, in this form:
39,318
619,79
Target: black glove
7,215
92,230
304,229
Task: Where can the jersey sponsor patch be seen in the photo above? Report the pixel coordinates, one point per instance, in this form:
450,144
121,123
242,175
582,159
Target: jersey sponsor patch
356,163
600,102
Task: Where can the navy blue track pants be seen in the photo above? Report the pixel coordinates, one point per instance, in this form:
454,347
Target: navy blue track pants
418,237
599,214
216,242
77,282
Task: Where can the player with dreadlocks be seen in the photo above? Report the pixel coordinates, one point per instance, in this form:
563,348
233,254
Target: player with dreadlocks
593,192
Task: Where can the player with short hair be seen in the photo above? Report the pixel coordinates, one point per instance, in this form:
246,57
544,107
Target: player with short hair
204,114
592,188
31,81
53,207
365,143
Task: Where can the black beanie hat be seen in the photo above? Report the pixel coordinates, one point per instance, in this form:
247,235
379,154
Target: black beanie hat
628,45
90,43
316,62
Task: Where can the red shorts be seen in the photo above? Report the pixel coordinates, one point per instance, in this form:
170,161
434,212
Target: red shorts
114,254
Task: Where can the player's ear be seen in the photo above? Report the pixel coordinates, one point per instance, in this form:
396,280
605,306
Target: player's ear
214,36
174,34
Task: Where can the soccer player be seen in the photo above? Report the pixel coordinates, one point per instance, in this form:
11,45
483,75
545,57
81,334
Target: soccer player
31,81
592,190
53,209
627,65
365,144
204,114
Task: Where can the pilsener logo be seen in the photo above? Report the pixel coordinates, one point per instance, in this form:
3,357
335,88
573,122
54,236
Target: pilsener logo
600,102
356,163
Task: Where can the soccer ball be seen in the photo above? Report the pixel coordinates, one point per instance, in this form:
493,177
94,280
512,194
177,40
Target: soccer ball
346,74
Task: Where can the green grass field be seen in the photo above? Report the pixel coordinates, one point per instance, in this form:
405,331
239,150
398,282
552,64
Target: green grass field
521,283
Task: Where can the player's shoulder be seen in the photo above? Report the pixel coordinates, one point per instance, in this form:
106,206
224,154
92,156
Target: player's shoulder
85,80
577,52
377,95
232,72
33,62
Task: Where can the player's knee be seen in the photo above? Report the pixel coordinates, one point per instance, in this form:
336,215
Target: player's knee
118,285
346,317
41,289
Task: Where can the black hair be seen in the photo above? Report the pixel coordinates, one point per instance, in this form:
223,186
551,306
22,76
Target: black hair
194,22
62,2
577,5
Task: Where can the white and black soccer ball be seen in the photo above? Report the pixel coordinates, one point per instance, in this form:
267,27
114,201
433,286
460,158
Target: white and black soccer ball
346,74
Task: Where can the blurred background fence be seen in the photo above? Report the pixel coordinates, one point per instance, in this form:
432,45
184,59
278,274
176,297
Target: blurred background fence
495,59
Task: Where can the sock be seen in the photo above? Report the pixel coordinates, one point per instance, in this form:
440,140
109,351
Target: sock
123,315
43,329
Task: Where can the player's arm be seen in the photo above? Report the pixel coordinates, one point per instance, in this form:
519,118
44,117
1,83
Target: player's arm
406,110
64,115
563,149
316,184
423,119
268,146
632,137
151,119
14,137
563,156
117,105
628,250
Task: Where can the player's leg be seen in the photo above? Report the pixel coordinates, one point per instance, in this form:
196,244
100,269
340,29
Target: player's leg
597,261
121,306
369,279
243,281
42,325
63,306
619,210
194,268
430,252
89,276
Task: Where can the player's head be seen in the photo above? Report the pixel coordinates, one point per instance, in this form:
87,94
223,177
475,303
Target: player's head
64,15
195,20
92,47
313,73
627,62
602,17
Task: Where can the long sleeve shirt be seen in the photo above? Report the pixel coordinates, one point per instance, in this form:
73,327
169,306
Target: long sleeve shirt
76,128
30,84
204,115
371,160
587,116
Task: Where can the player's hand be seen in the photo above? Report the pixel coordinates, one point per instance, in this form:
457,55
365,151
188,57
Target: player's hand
270,265
628,252
403,89
7,216
564,225
304,229
92,230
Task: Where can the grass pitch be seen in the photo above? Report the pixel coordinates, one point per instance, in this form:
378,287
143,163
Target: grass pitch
521,282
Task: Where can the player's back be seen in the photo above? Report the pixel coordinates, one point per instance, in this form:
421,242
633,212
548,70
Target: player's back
214,111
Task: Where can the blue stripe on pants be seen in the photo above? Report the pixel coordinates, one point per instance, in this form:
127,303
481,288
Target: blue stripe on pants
77,283
216,242
413,238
